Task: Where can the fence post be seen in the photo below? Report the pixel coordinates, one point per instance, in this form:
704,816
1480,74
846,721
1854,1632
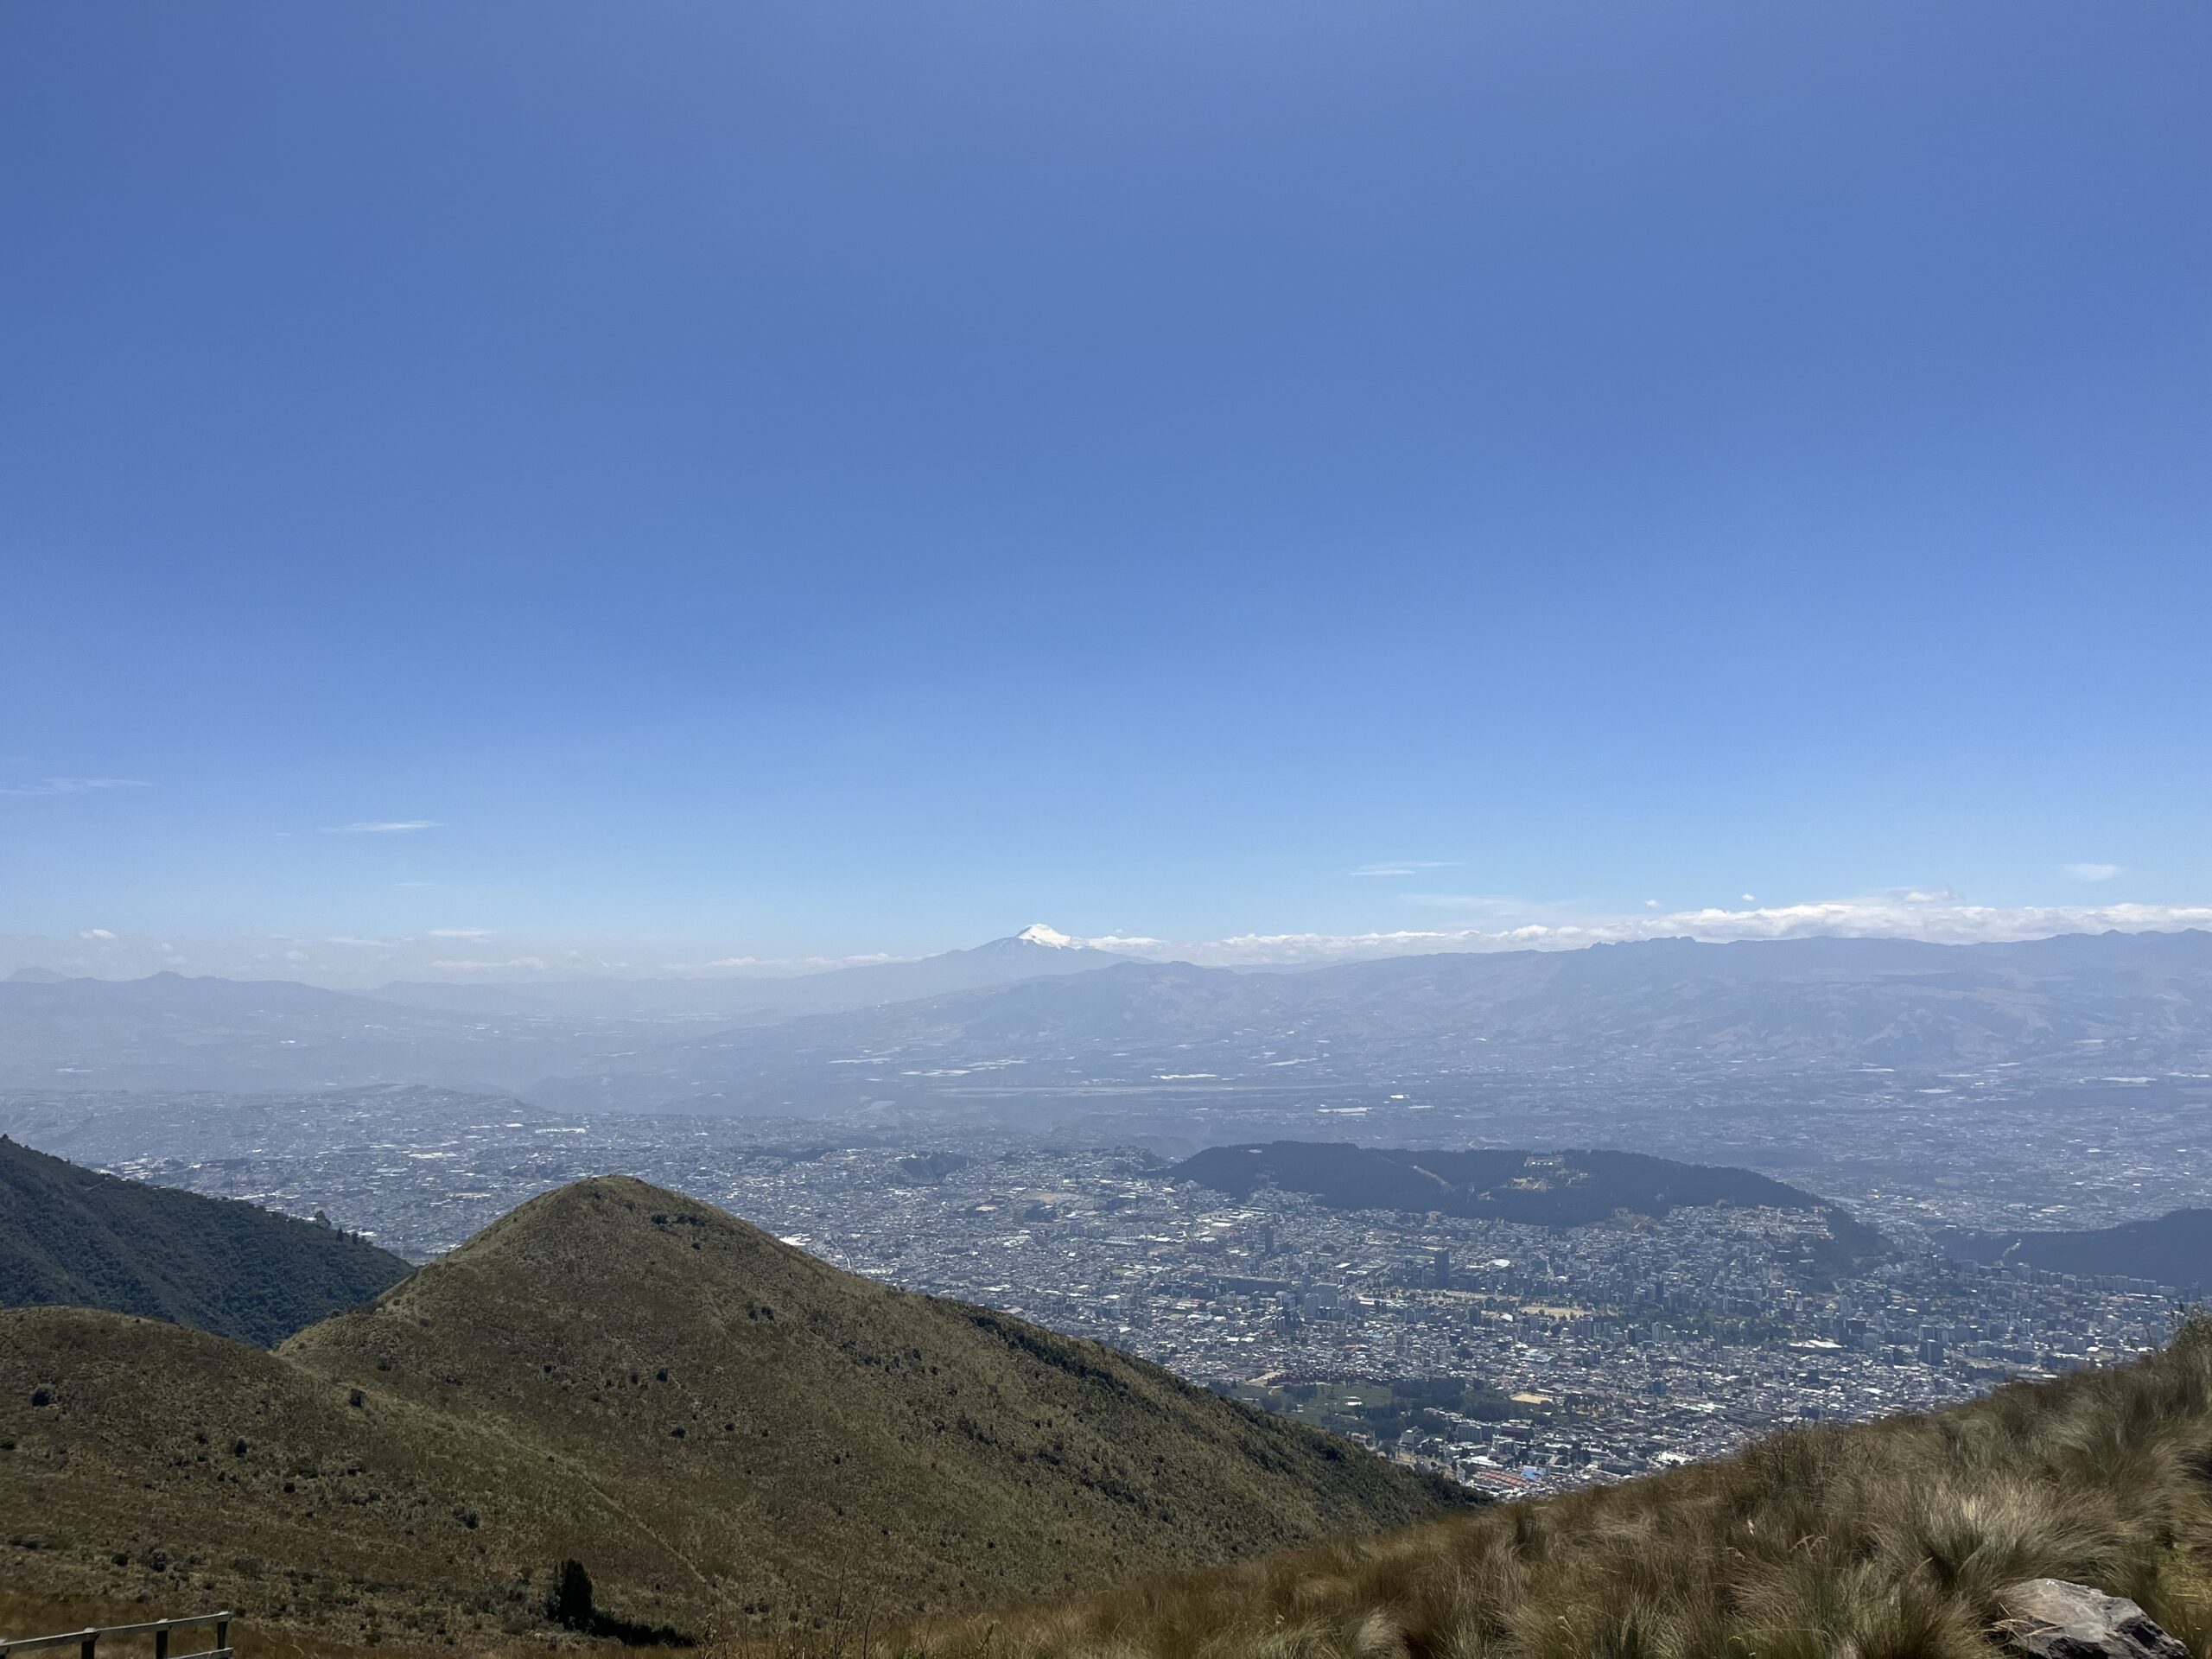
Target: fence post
162,1642
85,1648
222,1634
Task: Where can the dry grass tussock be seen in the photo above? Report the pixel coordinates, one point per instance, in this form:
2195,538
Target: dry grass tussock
1878,1541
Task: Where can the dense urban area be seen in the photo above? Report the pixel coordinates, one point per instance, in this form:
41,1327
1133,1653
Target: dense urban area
1518,1358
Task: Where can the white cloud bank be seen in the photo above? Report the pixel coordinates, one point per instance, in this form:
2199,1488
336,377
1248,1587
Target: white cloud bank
1939,917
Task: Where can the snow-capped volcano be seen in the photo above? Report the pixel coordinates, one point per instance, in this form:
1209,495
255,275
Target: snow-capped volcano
1038,951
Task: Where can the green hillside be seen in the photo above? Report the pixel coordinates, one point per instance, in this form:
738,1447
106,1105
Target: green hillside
2175,1249
1886,1541
732,1436
1563,1189
72,1237
1559,1189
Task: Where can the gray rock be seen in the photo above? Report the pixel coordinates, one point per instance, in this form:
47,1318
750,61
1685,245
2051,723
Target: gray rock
2051,1618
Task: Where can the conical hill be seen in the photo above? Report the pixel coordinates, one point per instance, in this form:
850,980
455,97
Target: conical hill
729,1433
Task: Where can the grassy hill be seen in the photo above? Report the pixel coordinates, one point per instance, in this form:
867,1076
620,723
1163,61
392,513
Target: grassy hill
2175,1249
731,1435
1886,1541
1562,1189
72,1235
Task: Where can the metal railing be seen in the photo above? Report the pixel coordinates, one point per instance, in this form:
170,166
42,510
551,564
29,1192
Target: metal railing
87,1642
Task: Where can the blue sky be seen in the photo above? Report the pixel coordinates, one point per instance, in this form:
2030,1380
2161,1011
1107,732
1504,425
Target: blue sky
836,478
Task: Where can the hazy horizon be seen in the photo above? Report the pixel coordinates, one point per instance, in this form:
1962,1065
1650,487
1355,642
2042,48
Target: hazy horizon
352,963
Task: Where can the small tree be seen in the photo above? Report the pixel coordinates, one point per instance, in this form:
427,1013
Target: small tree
571,1603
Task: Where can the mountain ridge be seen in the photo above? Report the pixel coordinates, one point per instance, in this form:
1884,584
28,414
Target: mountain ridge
1909,1536
2174,1250
1570,1188
1036,949
1796,1003
72,1235
742,1423
1068,1014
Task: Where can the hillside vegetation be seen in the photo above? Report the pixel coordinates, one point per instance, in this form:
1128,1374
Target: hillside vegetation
2175,1249
1561,1189
72,1235
729,1434
1886,1541
1564,1189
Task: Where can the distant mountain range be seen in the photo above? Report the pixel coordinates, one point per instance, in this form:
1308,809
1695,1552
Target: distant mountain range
1039,1012
74,1236
1037,952
1562,1189
731,1436
2173,1250
2139,999
173,1032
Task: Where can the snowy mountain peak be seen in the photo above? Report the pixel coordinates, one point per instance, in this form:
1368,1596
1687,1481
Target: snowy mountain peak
1038,933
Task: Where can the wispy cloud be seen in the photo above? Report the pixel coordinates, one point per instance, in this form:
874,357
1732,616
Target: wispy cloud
97,933
2091,871
383,827
1495,903
461,932
1407,866
73,785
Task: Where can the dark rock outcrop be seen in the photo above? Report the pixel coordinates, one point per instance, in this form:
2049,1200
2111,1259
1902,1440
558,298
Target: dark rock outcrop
2052,1619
